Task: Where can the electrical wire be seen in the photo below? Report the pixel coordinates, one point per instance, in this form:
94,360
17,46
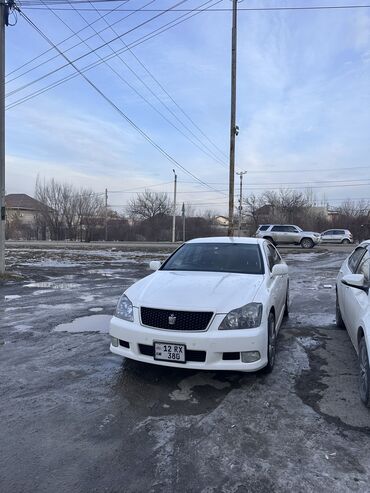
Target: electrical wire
143,39
35,6
93,50
119,111
122,79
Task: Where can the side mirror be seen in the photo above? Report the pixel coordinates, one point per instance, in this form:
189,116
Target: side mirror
355,281
279,270
154,265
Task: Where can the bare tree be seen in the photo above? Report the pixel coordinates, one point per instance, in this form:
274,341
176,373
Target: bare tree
148,205
253,208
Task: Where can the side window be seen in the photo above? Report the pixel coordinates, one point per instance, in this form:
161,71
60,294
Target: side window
280,229
328,233
364,267
292,229
355,258
273,256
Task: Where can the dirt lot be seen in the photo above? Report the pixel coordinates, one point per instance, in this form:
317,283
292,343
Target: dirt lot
75,418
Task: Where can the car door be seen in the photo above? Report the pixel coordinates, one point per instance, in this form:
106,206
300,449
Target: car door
280,234
338,235
356,300
349,266
293,234
327,236
279,284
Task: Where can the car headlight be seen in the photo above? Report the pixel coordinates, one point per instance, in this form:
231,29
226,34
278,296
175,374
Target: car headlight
246,317
124,309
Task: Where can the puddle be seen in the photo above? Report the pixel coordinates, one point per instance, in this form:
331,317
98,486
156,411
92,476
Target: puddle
52,285
185,391
90,323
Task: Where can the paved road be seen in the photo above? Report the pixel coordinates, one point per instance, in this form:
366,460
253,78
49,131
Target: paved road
74,418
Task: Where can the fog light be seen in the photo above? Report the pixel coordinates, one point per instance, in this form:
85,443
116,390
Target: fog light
114,341
250,356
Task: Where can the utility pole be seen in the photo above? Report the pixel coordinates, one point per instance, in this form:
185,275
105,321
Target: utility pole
183,222
240,173
4,12
174,207
106,215
233,128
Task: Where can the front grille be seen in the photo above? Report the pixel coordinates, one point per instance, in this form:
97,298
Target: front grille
190,354
161,319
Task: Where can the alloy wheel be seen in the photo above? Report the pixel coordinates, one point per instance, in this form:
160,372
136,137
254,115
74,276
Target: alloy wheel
272,340
364,382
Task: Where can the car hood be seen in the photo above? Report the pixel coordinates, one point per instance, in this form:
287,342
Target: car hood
203,291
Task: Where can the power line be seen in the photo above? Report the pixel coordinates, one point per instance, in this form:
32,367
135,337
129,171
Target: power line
165,27
120,112
93,50
165,91
201,147
37,57
35,6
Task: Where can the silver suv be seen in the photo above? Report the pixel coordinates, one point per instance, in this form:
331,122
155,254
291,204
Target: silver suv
288,234
337,236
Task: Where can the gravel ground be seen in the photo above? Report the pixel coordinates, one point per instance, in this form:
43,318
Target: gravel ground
75,418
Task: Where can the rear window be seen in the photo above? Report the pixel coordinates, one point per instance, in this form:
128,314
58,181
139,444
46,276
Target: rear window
217,257
264,227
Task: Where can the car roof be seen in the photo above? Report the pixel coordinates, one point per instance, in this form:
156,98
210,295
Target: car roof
228,239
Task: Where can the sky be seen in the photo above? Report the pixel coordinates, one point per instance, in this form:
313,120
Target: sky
303,99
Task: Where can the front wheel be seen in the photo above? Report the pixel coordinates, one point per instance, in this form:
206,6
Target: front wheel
271,344
346,241
364,377
307,243
338,314
286,309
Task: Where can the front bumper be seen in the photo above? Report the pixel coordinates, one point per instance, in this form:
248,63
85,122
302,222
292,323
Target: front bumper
213,342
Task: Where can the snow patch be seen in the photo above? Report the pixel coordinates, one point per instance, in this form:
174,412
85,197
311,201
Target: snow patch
52,285
90,323
10,297
97,309
51,263
23,328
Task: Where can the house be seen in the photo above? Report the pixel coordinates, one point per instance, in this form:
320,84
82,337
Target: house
23,207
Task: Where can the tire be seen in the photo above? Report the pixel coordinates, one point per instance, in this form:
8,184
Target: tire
268,238
364,377
271,344
307,243
345,242
338,314
286,309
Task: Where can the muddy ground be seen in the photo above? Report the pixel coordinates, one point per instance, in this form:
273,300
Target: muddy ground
75,418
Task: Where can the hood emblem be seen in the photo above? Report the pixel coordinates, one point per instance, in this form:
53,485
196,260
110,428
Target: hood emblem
172,319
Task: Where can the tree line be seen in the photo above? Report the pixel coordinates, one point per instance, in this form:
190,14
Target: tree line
80,214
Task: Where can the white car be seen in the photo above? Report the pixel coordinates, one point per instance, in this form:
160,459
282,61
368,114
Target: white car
353,309
337,236
214,304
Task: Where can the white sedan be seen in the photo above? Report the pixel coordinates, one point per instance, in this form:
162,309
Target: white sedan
214,304
353,309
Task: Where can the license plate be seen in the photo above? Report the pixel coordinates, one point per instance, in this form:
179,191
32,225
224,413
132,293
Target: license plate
169,352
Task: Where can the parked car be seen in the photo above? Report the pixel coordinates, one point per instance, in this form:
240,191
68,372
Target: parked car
214,304
288,234
337,236
353,309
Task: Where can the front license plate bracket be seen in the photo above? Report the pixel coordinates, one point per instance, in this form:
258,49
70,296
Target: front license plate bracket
168,351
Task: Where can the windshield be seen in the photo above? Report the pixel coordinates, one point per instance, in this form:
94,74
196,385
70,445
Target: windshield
217,257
